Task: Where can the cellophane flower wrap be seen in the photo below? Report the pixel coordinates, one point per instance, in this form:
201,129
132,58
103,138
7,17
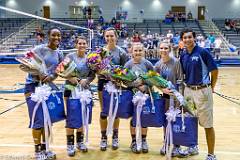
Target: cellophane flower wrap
153,78
33,61
122,74
99,61
67,69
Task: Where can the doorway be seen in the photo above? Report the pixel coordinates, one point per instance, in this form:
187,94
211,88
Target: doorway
201,12
46,12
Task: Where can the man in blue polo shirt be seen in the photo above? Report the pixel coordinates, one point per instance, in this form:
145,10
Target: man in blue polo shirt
197,63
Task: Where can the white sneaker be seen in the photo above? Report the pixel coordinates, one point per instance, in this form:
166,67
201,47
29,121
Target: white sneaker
40,155
178,152
211,157
70,150
144,147
134,148
115,143
50,155
103,144
163,150
193,150
82,147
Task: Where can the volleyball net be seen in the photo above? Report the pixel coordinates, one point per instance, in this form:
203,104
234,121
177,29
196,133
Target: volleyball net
23,31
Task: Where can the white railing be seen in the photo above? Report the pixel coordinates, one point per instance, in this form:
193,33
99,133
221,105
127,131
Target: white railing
10,41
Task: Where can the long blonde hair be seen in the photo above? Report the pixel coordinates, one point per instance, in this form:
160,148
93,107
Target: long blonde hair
171,54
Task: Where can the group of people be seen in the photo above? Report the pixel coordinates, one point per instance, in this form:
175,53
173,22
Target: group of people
231,24
193,68
175,17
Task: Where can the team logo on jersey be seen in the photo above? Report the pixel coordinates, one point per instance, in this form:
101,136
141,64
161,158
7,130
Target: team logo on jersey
195,58
51,105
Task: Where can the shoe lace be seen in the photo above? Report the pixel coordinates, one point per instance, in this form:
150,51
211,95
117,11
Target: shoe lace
103,142
211,157
40,155
144,144
81,145
115,140
70,147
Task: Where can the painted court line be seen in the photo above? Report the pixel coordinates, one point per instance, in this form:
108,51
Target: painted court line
96,148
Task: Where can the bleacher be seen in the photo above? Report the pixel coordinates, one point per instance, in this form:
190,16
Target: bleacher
154,26
231,35
157,26
10,25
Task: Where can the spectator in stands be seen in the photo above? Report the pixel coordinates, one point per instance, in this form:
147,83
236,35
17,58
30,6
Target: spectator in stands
149,35
126,42
169,17
38,30
201,43
180,48
90,23
155,40
237,26
207,43
113,21
183,17
197,65
233,24
169,34
40,38
176,38
101,20
84,12
189,15
150,44
136,37
211,38
89,12
199,37
117,26
227,24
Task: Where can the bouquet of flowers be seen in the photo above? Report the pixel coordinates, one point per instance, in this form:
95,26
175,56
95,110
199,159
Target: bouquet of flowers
153,78
67,68
99,61
122,74
34,62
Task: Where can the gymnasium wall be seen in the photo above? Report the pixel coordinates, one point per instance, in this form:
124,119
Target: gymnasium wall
153,9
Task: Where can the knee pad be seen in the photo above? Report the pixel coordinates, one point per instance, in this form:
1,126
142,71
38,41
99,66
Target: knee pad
102,116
